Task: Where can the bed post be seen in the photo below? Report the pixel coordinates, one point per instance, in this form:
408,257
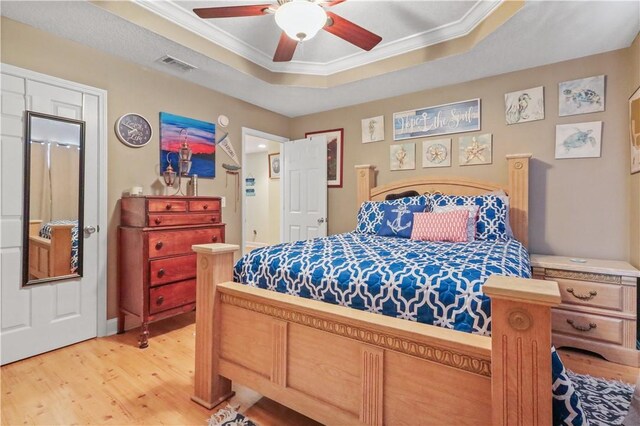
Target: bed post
521,349
215,266
60,250
366,179
519,196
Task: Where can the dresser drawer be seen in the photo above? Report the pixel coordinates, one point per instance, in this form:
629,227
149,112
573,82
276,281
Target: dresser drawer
204,206
182,219
585,293
588,326
172,295
163,271
171,243
167,206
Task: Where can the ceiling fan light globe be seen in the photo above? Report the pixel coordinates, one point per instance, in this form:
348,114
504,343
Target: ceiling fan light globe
301,19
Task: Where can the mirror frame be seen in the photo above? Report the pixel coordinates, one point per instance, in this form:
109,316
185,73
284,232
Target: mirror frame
26,213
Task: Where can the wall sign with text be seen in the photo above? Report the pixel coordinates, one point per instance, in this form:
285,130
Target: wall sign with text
457,117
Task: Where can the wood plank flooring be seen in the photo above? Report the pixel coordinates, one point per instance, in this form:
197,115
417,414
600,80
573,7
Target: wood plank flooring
110,381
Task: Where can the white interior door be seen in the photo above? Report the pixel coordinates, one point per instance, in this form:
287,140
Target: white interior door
47,316
305,188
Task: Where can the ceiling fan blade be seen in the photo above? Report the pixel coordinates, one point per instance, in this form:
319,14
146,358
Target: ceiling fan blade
351,32
231,11
332,3
286,48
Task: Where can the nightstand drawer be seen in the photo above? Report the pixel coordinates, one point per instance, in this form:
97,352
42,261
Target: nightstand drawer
587,326
585,293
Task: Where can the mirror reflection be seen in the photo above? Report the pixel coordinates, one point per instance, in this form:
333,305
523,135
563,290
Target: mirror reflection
53,202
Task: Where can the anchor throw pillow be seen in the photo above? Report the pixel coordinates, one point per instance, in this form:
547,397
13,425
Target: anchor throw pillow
371,212
397,220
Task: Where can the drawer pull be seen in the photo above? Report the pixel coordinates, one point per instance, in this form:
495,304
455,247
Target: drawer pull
206,206
160,300
214,238
158,221
584,297
213,219
168,207
591,326
161,273
159,245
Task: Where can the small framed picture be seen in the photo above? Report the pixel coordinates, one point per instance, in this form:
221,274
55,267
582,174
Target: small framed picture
475,150
524,105
579,140
274,166
634,130
373,129
402,156
581,96
436,153
335,145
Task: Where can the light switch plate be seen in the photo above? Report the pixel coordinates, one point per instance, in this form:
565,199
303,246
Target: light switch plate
224,202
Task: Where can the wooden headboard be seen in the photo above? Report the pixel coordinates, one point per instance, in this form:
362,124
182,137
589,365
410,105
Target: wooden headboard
517,189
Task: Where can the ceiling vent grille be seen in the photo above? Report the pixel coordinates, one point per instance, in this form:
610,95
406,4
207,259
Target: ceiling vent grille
175,63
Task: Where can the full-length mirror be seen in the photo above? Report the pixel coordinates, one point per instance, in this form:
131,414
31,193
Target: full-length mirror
53,198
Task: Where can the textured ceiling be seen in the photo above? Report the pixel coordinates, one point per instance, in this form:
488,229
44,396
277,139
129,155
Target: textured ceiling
540,33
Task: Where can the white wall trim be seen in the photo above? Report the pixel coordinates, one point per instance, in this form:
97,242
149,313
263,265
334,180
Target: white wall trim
102,326
111,327
452,30
246,131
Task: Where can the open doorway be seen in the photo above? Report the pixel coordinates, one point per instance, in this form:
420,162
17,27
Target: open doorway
261,189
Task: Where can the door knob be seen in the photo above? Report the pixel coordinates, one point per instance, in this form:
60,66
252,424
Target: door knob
321,221
90,230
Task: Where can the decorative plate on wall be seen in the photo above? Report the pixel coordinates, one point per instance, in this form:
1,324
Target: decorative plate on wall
133,130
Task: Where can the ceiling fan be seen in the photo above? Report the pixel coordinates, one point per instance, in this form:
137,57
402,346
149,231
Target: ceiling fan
300,20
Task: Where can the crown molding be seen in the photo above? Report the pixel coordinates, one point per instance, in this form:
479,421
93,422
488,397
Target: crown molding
189,21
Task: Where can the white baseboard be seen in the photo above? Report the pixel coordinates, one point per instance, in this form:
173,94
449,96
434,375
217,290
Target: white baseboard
112,326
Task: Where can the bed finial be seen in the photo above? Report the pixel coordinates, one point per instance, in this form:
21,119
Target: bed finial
519,196
365,180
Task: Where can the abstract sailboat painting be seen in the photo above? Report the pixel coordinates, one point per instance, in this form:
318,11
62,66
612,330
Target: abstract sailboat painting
199,135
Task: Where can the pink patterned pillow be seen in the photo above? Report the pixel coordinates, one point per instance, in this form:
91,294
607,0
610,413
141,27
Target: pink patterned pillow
448,226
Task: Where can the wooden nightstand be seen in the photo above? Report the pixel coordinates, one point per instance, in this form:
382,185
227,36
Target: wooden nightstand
599,305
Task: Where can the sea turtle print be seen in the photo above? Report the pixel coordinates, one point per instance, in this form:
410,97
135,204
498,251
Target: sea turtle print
584,96
579,139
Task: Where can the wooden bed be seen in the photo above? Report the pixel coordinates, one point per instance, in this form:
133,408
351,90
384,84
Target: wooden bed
49,257
344,366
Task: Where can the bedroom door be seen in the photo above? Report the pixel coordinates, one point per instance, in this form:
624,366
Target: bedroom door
48,315
305,188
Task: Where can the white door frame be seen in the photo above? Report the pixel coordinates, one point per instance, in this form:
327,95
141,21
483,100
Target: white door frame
246,131
104,327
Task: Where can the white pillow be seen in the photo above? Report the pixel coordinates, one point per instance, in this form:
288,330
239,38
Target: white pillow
471,222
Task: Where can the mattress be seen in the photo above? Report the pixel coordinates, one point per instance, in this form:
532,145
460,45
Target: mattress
45,232
429,282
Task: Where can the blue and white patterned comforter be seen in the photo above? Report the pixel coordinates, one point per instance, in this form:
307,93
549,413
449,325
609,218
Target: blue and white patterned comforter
429,282
45,232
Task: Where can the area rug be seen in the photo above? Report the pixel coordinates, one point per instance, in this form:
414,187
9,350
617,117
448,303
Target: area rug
228,416
605,402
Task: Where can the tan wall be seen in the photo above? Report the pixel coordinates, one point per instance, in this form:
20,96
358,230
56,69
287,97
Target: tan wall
132,88
634,198
577,206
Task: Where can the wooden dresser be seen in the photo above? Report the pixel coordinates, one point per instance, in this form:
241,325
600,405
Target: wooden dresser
157,268
599,305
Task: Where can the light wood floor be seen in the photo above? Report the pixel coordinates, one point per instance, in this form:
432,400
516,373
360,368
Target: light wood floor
111,381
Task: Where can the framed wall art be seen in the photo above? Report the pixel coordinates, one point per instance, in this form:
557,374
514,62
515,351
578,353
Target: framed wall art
457,117
524,105
581,96
634,130
200,137
579,140
436,153
335,144
475,150
402,156
274,166
373,129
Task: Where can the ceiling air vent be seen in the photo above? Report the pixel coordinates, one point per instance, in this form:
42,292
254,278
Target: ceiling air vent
175,63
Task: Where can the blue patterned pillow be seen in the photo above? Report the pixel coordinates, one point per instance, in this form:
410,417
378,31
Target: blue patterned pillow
371,213
566,401
398,220
492,215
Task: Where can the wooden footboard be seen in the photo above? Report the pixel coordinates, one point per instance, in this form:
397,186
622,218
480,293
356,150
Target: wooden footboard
343,366
49,257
